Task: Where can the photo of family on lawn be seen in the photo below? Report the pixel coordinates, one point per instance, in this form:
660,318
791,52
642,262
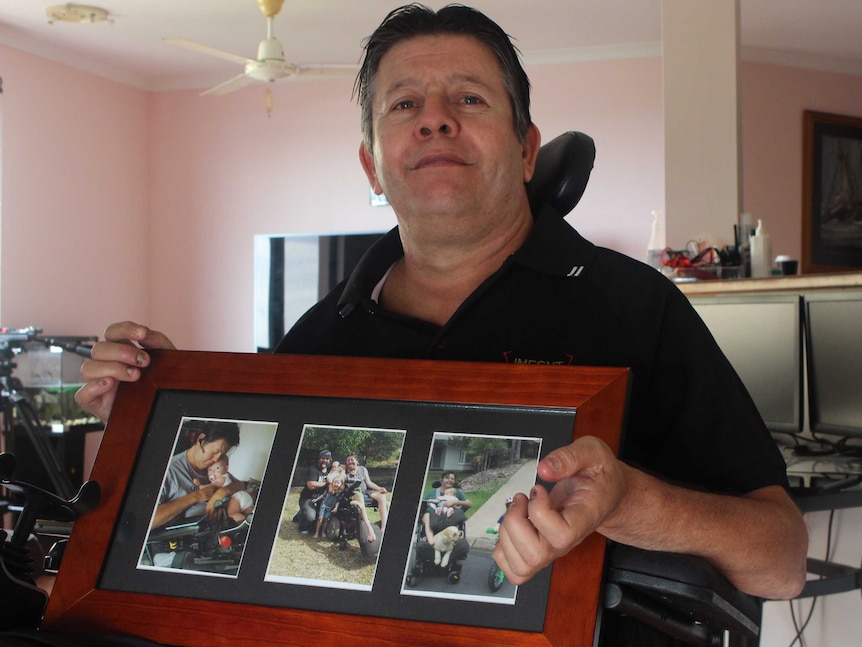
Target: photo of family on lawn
335,512
205,507
469,485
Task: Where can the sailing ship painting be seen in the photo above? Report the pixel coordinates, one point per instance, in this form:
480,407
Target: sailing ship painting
831,193
840,214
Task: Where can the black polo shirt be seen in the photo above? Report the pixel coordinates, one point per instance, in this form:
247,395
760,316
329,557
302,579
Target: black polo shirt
562,300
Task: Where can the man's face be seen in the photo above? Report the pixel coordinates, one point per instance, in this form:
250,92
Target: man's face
323,462
203,453
445,151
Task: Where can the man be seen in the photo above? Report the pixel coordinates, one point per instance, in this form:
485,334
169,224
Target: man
315,483
369,493
441,511
447,482
186,491
472,274
444,510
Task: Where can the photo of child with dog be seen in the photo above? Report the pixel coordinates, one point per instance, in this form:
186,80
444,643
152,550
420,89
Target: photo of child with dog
333,520
469,479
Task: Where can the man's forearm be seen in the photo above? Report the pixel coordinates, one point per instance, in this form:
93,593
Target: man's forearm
167,511
758,541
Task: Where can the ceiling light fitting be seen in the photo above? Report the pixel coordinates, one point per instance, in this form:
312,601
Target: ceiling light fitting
79,13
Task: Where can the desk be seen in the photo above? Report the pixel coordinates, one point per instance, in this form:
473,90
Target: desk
822,490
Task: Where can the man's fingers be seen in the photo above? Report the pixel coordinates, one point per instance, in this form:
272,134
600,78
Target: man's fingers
131,332
561,529
522,547
569,460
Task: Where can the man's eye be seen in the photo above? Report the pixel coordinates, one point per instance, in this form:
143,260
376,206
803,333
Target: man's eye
404,105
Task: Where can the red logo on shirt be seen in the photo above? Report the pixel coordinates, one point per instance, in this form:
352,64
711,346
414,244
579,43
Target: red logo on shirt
511,359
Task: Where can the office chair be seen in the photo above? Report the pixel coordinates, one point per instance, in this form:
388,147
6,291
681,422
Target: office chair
680,595
562,171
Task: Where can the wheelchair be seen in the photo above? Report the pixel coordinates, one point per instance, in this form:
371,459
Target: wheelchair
422,555
200,544
346,525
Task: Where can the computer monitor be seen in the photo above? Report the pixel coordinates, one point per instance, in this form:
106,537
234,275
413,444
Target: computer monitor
834,352
761,335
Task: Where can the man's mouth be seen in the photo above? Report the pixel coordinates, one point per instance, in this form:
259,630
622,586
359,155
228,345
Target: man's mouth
439,159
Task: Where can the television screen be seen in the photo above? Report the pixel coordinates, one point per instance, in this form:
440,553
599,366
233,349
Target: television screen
292,273
761,335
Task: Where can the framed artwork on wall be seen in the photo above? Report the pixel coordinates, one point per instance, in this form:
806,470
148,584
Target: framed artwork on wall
831,193
255,576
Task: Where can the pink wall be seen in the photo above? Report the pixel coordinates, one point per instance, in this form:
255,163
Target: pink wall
122,204
75,188
223,172
619,104
773,100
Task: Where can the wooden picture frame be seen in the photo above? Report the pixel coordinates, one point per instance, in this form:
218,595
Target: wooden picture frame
831,193
574,400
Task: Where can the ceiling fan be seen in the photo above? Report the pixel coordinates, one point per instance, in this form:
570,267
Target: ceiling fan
270,64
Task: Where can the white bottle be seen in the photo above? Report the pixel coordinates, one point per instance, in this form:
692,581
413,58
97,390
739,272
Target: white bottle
761,252
656,243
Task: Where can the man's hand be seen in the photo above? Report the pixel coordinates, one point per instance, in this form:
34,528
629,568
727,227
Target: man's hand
216,494
119,358
590,484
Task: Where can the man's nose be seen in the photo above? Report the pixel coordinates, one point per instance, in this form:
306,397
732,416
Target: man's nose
437,117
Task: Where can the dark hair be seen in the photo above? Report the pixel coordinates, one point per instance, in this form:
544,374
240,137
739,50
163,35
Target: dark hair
212,430
414,20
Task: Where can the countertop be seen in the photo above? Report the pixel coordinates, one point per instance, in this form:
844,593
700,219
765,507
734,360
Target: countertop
773,284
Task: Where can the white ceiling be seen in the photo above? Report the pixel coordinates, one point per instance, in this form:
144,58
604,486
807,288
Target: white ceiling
823,34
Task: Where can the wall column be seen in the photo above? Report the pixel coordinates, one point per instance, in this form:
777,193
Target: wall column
702,125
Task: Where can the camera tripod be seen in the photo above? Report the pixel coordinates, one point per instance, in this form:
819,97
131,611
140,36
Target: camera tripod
22,601
13,399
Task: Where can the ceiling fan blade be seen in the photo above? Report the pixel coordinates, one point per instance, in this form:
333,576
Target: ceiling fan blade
326,69
206,49
231,85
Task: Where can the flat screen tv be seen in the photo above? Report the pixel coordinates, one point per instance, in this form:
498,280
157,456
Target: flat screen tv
292,273
762,337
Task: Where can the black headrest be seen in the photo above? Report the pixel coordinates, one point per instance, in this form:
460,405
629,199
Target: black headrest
563,169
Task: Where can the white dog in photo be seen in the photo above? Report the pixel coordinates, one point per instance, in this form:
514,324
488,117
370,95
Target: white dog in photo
444,543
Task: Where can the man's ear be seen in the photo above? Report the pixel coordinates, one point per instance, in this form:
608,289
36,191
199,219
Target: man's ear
366,158
530,150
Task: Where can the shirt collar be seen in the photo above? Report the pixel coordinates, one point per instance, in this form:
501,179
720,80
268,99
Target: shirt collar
376,261
553,247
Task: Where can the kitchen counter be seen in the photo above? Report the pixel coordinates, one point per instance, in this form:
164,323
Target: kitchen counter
773,284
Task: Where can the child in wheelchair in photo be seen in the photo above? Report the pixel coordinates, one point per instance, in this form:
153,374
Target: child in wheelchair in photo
349,521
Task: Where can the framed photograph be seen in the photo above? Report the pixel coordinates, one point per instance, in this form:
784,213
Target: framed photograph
831,193
284,499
